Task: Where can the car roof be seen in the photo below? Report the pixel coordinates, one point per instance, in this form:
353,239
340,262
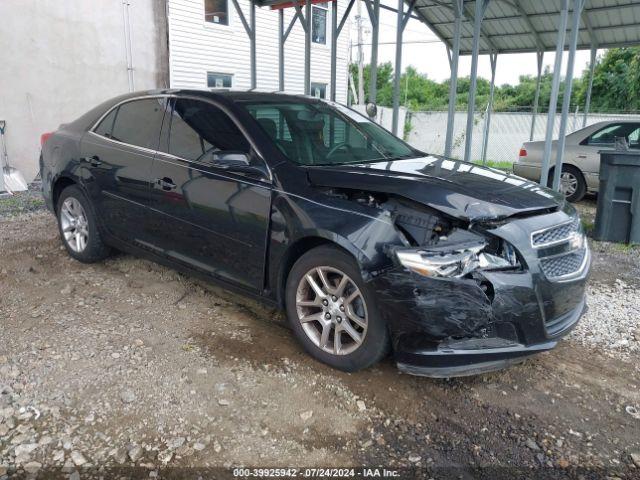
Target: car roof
232,94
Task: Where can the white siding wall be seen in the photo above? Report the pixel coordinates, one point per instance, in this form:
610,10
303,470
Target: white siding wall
59,59
196,46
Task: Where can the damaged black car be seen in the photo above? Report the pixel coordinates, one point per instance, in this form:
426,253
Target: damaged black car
369,245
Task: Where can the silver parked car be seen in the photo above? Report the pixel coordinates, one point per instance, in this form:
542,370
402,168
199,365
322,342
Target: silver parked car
581,162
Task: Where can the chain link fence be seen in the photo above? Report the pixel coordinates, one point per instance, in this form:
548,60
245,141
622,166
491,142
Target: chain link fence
507,132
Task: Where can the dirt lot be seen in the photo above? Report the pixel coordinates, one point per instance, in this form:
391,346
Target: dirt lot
126,364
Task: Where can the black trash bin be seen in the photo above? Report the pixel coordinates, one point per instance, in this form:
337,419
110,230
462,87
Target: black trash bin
618,213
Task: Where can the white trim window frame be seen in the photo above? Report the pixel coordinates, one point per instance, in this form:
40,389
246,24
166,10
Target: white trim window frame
317,8
211,21
220,79
319,89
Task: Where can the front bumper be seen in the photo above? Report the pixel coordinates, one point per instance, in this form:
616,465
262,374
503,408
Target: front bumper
444,327
475,356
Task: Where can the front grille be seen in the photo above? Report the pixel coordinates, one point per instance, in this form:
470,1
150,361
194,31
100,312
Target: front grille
563,265
555,234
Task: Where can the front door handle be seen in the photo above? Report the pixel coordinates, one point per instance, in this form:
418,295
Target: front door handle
166,184
94,160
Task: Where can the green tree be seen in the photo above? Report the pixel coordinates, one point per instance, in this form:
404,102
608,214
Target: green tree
616,81
616,87
383,82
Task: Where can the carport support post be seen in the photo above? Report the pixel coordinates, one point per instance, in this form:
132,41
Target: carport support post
334,48
555,87
536,98
374,16
403,18
250,28
336,29
578,5
252,36
307,48
481,7
493,58
453,82
281,50
587,102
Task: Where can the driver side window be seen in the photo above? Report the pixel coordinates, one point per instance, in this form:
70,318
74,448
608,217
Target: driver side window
199,130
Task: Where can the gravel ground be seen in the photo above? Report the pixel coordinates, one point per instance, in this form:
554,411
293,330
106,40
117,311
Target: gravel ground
22,202
131,369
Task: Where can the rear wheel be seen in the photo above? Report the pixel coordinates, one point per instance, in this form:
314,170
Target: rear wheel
332,311
572,183
78,227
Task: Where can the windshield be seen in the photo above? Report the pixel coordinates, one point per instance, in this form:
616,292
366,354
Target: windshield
325,133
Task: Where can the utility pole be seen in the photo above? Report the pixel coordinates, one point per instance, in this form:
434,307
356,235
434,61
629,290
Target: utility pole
360,55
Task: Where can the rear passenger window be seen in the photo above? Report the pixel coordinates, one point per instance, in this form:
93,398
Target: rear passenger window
199,129
106,125
139,122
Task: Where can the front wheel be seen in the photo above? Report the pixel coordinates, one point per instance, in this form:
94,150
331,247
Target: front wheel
332,311
79,228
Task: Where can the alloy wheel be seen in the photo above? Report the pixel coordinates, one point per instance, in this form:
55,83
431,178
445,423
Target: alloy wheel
74,224
568,183
331,310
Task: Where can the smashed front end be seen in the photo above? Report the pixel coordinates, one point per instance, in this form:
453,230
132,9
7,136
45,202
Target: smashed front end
470,297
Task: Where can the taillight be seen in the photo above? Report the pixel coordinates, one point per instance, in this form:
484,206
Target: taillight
44,137
523,152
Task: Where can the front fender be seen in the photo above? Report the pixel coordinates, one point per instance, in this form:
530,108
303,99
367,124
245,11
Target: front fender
297,220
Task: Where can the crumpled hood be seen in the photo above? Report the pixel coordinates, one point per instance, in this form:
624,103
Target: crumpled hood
459,189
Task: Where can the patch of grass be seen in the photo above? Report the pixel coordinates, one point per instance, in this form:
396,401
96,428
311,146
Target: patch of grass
587,225
500,165
626,247
21,202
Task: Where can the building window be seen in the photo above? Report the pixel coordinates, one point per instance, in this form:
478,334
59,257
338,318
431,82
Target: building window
219,80
319,23
319,90
216,11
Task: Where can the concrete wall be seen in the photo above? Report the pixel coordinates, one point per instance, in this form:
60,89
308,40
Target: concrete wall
507,132
384,117
197,46
60,58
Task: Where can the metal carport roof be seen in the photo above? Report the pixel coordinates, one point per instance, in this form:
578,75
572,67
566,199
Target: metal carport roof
475,27
517,26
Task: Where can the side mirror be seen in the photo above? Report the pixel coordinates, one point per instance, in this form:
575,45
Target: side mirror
230,159
371,109
238,162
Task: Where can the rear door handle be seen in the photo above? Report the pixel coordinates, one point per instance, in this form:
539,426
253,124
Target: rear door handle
165,183
582,156
94,160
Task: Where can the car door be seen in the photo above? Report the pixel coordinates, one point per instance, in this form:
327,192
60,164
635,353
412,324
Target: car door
206,215
587,156
117,157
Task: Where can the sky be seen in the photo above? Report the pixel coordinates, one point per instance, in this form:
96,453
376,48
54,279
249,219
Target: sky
431,58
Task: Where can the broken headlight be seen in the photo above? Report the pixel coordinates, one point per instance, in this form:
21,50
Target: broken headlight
457,255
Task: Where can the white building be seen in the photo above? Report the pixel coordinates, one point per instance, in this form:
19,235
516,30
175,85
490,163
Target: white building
60,58
208,46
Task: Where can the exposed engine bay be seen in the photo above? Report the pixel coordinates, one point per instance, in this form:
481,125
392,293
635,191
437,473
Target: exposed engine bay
438,246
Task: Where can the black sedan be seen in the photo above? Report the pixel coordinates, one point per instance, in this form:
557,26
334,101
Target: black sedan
369,245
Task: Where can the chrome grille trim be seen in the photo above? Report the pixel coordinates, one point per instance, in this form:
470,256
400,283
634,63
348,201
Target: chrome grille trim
556,234
566,265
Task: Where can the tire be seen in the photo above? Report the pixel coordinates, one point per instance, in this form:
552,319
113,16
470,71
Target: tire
74,206
352,310
573,176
